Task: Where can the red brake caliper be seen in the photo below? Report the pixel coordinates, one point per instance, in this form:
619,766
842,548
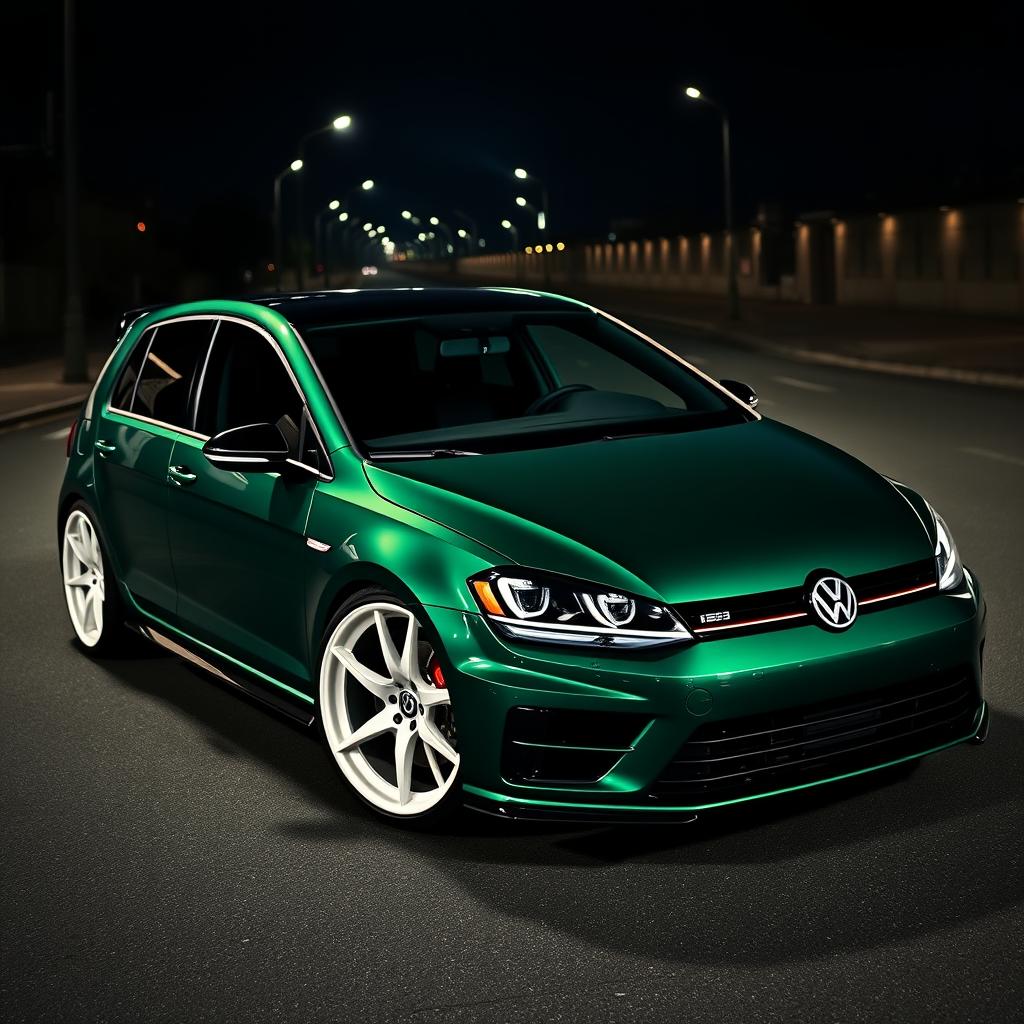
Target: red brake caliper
435,673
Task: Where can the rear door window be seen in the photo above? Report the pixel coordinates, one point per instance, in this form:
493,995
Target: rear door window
170,372
124,390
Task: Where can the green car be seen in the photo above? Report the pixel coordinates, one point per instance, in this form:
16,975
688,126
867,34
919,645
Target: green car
505,551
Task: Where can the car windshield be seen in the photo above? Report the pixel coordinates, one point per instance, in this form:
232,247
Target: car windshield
487,382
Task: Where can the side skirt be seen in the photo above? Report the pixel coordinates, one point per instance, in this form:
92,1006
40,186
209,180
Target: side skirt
231,675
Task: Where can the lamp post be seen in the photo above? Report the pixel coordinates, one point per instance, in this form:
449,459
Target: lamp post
318,217
342,218
342,209
542,214
514,231
450,244
733,289
293,168
341,123
469,237
75,362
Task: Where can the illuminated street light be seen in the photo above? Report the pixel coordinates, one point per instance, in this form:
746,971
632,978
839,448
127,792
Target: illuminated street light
295,165
507,224
341,123
343,216
367,185
543,212
334,204
463,233
381,229
434,221
406,215
368,226
733,281
372,233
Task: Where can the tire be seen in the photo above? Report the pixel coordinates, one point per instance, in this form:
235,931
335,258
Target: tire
388,728
90,587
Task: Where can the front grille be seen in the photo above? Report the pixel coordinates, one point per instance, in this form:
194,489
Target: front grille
780,749
543,746
716,619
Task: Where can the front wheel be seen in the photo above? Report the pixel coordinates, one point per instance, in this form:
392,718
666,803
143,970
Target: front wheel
385,711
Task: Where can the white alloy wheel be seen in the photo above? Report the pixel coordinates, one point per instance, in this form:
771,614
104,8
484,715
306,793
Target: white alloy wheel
82,567
388,727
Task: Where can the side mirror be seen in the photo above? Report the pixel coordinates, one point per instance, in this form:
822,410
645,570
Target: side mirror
256,448
744,392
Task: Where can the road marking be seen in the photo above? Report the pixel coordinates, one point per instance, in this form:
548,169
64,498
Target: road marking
987,453
804,385
57,435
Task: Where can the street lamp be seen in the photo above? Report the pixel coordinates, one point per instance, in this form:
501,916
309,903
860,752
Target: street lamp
510,227
470,236
733,281
341,123
292,168
542,213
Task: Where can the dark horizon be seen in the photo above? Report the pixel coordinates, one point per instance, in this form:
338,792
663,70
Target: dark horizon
185,116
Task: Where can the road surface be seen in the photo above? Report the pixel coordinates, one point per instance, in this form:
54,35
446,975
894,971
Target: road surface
171,852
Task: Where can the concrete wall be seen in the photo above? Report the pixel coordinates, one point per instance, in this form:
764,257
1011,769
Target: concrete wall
969,260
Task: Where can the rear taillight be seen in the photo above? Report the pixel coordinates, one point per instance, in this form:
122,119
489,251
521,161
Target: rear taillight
71,439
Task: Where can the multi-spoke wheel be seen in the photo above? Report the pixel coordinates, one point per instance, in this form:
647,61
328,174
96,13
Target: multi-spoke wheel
387,721
89,589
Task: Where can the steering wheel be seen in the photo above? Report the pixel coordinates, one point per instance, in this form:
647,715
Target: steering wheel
545,402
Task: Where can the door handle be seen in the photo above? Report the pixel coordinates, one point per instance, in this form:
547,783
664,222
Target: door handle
105,447
181,475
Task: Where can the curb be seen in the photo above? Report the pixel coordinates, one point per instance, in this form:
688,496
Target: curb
984,378
38,412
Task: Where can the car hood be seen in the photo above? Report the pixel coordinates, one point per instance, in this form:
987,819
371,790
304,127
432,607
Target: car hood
709,513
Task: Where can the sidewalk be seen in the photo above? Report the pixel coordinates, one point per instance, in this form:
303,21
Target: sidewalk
34,390
946,346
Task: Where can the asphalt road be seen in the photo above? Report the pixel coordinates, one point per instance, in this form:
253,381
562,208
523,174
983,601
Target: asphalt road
172,852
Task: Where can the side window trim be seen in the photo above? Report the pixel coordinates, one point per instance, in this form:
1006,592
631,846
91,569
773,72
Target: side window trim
142,365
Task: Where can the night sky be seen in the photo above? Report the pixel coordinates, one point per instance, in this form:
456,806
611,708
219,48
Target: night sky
196,108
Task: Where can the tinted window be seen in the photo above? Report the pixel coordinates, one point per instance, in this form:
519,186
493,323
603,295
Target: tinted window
171,370
498,381
576,360
124,389
246,382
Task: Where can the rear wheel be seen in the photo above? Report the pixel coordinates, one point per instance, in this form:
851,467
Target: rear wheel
385,711
89,585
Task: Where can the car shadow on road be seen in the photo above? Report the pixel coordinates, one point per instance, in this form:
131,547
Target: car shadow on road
866,862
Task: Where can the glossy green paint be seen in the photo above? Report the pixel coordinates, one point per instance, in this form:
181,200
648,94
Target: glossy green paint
713,513
225,566
238,542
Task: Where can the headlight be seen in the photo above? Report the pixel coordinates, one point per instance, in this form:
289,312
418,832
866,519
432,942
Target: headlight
543,608
947,559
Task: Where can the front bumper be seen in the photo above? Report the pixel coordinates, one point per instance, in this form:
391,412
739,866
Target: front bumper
661,699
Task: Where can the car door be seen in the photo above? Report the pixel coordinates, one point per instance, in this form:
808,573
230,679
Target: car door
134,439
237,539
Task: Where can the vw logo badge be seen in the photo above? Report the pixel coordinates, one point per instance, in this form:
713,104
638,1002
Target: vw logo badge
833,602
407,702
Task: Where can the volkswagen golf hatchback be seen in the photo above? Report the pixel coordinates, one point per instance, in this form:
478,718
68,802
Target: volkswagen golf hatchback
501,549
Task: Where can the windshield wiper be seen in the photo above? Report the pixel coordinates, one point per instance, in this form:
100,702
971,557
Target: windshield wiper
422,453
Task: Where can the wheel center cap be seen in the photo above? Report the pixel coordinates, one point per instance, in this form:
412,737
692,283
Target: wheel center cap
408,703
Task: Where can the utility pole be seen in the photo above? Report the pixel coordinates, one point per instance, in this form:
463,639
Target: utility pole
75,361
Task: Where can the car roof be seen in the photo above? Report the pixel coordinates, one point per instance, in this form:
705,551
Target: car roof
360,304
